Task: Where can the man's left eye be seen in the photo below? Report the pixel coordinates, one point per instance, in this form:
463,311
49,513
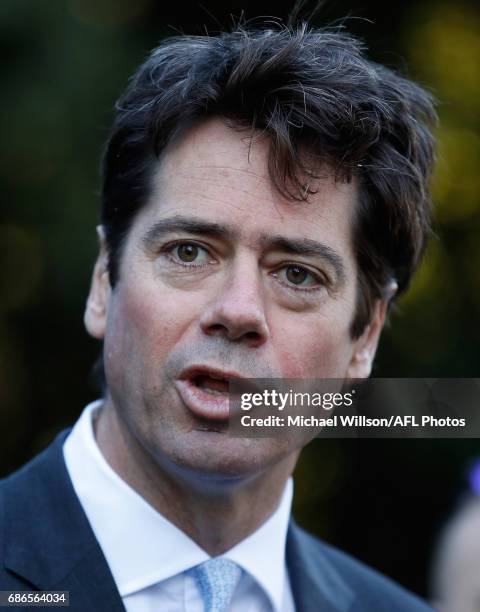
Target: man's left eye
189,252
299,276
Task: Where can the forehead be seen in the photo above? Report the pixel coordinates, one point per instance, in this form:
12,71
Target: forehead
220,173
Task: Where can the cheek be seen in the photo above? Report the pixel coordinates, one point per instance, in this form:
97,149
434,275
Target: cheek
315,348
142,328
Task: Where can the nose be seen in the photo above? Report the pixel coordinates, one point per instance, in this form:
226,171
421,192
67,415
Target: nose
238,311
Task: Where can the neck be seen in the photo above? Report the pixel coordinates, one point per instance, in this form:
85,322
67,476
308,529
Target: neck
216,513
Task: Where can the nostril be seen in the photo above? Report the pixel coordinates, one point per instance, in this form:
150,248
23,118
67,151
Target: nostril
249,329
217,327
233,334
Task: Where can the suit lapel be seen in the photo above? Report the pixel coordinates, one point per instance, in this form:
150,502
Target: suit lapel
316,584
48,540
91,586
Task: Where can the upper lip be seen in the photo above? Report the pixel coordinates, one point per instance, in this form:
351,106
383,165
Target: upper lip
203,370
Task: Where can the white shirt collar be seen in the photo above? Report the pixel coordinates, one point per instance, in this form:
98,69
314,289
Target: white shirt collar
140,545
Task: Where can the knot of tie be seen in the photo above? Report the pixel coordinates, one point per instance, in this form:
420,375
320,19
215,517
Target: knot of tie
217,580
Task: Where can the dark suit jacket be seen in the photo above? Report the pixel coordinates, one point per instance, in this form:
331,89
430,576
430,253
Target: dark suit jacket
46,543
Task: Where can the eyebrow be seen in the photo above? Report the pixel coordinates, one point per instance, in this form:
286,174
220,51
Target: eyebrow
307,247
192,225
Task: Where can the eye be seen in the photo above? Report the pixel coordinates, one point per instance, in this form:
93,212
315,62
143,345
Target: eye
299,276
189,253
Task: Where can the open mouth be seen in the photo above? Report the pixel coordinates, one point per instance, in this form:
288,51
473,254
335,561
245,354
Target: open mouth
205,392
215,385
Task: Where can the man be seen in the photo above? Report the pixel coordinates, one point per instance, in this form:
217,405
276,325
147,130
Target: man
265,194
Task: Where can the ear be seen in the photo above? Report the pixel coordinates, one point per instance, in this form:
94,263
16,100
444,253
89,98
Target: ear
365,347
98,299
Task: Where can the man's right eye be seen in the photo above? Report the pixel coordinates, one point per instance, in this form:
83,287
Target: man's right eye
189,253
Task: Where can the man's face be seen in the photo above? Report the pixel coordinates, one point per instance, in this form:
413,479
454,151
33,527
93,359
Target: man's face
222,276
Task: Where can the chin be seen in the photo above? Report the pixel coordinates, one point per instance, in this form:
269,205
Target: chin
218,457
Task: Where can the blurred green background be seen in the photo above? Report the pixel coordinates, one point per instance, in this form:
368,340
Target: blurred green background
64,64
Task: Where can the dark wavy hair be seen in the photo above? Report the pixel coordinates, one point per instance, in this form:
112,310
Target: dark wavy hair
307,90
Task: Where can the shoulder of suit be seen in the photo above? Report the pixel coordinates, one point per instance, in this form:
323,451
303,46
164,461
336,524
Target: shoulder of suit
31,482
372,586
32,469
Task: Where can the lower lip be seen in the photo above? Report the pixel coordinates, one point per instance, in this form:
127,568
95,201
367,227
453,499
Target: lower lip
202,403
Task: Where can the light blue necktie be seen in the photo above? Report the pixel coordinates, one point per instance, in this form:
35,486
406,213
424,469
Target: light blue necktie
217,580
